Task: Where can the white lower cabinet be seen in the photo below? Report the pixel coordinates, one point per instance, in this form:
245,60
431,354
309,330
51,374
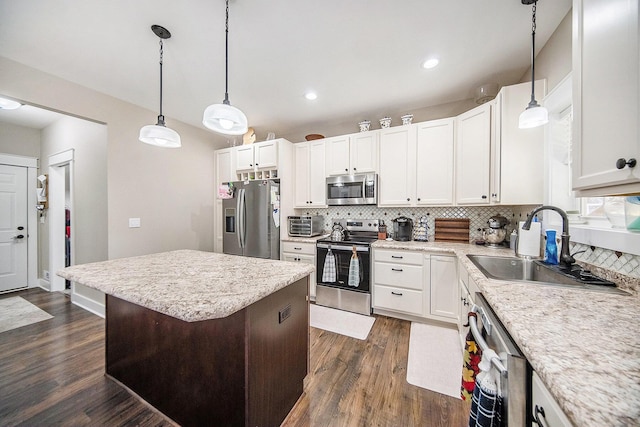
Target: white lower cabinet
304,253
398,281
444,288
546,411
416,284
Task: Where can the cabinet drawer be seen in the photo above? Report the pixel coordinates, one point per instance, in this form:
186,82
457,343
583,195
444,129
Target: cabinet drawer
540,397
398,299
401,275
398,257
299,248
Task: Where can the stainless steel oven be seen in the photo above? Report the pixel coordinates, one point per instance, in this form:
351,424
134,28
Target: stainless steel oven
511,364
359,189
343,270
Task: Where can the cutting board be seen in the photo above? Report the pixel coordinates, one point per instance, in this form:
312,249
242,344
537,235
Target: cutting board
452,230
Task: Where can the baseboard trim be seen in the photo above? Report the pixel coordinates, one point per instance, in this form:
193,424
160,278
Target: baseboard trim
88,304
44,284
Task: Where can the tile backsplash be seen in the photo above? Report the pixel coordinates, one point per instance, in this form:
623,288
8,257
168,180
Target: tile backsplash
622,263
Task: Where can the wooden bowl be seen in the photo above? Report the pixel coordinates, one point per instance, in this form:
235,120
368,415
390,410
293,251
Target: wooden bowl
313,136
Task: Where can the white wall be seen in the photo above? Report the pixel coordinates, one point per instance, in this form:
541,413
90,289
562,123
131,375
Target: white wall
89,142
171,190
19,140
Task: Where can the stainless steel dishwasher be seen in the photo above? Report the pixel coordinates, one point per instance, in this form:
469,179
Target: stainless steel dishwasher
512,365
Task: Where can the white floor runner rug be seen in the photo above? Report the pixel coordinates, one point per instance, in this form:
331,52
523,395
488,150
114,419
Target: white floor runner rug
435,359
341,322
16,312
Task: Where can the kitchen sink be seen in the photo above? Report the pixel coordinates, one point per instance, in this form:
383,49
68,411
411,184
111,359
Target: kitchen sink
535,271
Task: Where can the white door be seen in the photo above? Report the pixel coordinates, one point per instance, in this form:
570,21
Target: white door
13,227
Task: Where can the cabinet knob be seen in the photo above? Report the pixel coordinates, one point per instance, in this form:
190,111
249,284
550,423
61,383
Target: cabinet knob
408,199
251,164
621,163
346,170
418,198
354,169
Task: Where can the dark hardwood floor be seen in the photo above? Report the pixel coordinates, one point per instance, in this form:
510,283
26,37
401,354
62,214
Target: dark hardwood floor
52,374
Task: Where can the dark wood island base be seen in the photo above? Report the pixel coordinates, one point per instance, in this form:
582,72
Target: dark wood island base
246,369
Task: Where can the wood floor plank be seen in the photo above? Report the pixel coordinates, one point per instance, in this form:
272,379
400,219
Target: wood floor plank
52,373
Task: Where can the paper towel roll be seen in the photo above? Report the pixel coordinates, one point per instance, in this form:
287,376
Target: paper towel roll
529,240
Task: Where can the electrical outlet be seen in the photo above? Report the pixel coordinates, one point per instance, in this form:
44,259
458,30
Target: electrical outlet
45,274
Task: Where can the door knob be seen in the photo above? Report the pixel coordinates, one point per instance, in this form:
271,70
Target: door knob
621,163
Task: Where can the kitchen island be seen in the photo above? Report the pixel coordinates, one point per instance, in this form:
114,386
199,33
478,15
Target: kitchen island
207,339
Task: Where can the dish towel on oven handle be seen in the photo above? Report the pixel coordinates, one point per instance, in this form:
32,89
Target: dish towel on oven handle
486,404
329,269
471,359
354,270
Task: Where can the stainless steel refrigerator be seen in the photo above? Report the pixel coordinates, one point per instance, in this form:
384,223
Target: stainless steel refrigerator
252,219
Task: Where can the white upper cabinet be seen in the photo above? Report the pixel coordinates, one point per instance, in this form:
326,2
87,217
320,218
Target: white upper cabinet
606,97
224,171
397,178
309,182
434,162
473,152
261,155
517,155
352,154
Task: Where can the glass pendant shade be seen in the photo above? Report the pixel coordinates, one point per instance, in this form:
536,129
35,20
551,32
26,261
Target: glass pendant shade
533,116
160,136
226,119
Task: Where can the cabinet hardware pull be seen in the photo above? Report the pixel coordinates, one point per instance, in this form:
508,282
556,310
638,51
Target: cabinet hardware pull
418,198
396,269
484,196
396,293
621,163
298,249
539,420
396,256
346,170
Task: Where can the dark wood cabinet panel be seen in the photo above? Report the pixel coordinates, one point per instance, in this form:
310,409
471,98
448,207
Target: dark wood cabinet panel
245,369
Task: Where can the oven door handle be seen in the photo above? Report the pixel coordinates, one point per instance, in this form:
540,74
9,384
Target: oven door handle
473,325
344,248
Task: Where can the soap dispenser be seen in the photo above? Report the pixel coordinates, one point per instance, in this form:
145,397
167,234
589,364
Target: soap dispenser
551,248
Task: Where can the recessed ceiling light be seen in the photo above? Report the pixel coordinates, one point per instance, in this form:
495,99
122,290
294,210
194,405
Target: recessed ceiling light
9,104
311,96
430,63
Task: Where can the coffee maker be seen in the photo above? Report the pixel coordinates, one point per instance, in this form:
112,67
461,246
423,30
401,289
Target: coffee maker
402,229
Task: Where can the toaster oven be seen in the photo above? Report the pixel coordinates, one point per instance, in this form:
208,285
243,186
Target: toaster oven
305,226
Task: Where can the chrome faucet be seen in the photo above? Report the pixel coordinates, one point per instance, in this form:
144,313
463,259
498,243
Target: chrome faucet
565,256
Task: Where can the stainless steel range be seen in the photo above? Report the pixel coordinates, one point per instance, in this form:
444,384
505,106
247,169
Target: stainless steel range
344,266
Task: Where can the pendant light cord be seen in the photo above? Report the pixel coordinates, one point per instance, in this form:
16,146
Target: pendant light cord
533,52
226,57
161,116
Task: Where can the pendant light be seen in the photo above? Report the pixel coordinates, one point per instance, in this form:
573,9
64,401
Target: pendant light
225,118
534,115
159,134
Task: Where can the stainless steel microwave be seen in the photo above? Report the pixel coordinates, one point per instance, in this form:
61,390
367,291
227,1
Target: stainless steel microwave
359,189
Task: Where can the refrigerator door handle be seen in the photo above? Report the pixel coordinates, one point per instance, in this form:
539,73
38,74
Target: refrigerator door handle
241,219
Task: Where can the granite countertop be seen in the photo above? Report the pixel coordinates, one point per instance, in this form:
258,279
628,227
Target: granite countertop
584,345
189,285
313,239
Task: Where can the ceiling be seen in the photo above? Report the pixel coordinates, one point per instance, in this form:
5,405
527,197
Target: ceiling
363,58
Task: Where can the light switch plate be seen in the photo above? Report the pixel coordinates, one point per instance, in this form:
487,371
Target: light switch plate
134,222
